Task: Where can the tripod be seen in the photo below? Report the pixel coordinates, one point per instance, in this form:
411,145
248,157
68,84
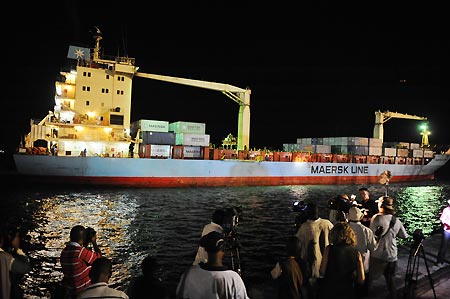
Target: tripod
412,270
232,248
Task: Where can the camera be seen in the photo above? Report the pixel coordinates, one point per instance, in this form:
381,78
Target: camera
90,233
299,206
418,236
231,220
230,223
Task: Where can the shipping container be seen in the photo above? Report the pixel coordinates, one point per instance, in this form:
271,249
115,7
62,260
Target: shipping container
149,137
375,142
323,149
403,145
417,153
149,125
428,154
192,139
192,151
402,152
154,151
375,151
181,127
390,152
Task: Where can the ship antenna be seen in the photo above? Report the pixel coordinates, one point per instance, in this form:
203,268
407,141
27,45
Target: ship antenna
98,37
124,41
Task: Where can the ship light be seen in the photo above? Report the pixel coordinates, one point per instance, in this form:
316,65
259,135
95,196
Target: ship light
108,130
79,128
91,114
424,132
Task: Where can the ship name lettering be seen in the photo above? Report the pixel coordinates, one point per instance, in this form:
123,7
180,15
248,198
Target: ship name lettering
339,169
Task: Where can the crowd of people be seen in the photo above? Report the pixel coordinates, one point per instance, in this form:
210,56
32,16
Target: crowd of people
338,257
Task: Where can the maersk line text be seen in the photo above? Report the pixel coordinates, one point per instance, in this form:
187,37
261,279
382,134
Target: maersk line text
339,169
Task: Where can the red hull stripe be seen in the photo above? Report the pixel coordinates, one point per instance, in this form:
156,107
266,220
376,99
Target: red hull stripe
224,181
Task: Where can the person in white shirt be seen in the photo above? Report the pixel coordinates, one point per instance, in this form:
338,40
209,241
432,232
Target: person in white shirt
211,279
445,237
100,274
215,225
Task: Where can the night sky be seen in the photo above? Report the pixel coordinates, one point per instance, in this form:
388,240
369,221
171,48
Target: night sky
315,70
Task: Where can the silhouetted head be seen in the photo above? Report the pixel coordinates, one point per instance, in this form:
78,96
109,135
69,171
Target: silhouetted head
78,234
218,216
101,270
312,211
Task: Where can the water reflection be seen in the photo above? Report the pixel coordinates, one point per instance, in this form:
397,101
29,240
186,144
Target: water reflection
167,223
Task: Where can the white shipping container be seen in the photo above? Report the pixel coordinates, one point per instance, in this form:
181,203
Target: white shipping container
390,152
192,139
375,142
150,125
402,152
428,154
364,141
192,151
307,147
375,151
159,150
414,146
323,149
417,153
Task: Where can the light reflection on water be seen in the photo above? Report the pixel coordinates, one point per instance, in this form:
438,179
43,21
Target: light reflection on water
167,223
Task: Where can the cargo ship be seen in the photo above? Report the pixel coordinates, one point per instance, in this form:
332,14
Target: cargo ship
88,138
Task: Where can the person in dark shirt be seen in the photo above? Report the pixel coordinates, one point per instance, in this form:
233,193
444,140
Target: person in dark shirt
147,285
342,267
367,205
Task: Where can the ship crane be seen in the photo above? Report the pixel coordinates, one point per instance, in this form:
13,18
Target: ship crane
239,95
382,117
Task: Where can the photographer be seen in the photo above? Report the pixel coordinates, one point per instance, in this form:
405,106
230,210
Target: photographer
76,260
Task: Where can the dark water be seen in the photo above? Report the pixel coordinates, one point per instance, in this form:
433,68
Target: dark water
167,223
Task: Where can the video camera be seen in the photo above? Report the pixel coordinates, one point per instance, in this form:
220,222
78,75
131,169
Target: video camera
230,223
231,220
418,237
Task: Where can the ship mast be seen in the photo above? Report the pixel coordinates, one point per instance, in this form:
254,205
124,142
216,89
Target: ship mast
98,37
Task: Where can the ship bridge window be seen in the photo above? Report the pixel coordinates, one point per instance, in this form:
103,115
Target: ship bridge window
105,90
86,74
87,103
120,92
116,119
86,88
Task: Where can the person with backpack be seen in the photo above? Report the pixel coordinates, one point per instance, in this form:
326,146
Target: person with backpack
387,227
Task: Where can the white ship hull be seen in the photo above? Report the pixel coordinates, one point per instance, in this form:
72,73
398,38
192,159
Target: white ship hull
208,173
